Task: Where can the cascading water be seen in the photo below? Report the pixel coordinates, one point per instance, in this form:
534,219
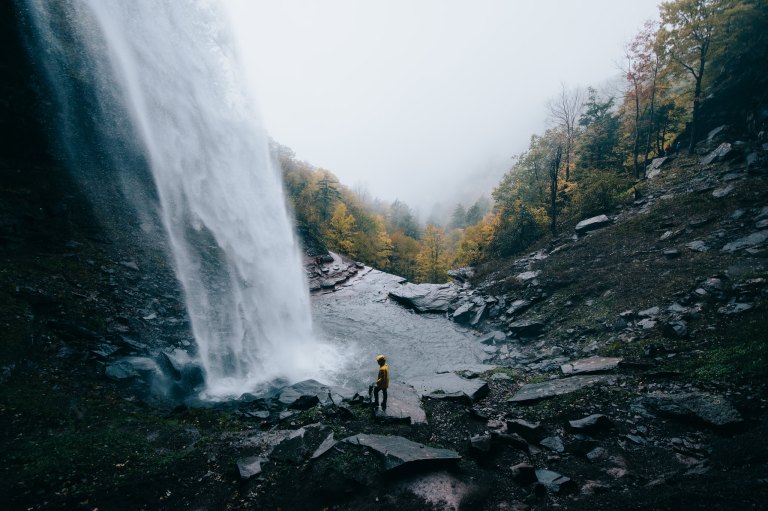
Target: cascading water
169,68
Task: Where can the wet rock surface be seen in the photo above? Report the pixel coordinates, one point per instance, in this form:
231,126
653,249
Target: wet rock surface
94,321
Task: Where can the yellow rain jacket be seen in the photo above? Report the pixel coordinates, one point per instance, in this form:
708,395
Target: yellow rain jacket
382,381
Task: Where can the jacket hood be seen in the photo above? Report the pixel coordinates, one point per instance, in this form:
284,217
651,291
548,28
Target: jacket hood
381,358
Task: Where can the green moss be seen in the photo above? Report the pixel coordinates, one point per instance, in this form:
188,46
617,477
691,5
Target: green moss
743,361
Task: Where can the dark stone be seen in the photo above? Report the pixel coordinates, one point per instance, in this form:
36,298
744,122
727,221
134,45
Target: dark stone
753,240
532,432
596,454
671,253
526,328
554,482
590,224
463,314
537,391
518,306
462,274
131,367
450,386
591,365
721,153
712,409
308,393
426,297
676,328
480,444
249,467
301,443
592,423
478,315
553,443
524,473
399,452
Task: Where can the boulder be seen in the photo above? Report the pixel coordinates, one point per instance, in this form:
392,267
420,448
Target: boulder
753,240
524,473
478,316
654,168
127,368
590,224
592,423
591,365
301,443
399,452
528,275
480,444
554,482
403,405
463,314
518,306
676,328
426,297
450,386
721,192
462,274
721,153
697,246
537,391
526,328
712,409
531,431
553,443
249,467
303,395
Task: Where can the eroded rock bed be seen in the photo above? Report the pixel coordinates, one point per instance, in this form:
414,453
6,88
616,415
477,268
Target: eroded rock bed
623,367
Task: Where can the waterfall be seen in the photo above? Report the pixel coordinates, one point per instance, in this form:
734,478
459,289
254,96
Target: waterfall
170,70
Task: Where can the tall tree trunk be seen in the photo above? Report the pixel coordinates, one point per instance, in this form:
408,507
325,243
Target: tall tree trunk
650,117
636,145
553,173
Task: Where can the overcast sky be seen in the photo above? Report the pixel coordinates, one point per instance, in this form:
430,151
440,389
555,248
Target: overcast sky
423,100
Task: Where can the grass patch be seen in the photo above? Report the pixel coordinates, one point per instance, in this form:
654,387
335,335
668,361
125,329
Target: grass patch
741,362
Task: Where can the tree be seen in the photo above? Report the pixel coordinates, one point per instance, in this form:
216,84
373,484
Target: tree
477,211
600,138
432,261
565,111
340,231
405,252
458,218
686,34
554,168
327,195
401,218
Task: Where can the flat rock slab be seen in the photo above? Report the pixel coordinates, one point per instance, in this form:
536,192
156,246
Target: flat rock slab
590,224
591,365
537,391
403,405
400,452
753,240
308,393
712,409
450,386
426,297
249,467
554,482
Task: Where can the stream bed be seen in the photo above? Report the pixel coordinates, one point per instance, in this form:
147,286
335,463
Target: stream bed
361,321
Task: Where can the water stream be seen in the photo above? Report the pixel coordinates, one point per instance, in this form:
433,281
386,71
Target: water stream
169,70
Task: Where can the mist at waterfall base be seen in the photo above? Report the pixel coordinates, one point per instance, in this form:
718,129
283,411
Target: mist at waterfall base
169,71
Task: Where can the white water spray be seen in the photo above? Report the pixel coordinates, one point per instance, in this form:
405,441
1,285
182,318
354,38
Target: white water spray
173,66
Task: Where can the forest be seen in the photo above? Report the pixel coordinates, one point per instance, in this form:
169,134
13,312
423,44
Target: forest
591,159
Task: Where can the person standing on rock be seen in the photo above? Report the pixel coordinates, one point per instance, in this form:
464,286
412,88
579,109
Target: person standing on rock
382,383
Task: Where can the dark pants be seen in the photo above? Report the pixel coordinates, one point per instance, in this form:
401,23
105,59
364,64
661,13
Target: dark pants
383,397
